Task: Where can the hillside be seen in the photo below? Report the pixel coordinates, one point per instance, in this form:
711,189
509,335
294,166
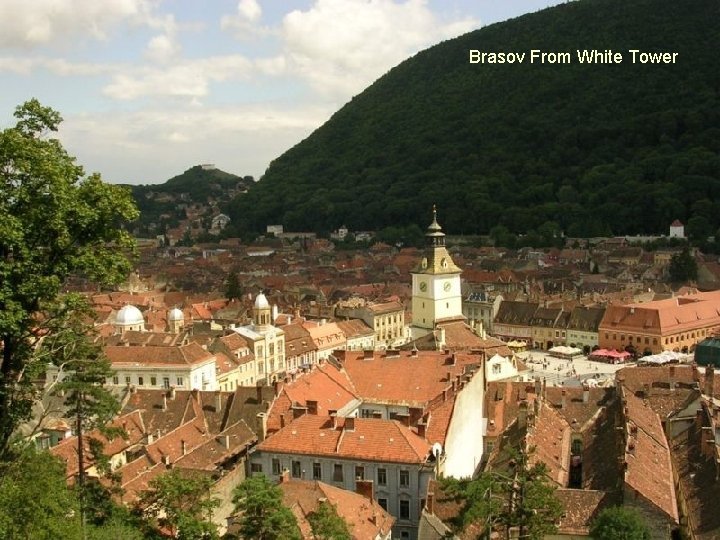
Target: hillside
622,148
209,188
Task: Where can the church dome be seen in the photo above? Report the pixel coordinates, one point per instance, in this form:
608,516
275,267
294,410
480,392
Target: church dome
129,316
175,315
261,302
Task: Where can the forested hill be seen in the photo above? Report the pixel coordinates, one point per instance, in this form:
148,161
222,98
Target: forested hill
200,185
621,148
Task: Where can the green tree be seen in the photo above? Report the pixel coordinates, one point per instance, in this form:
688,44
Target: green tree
35,501
683,267
262,515
619,523
55,222
326,524
233,290
182,503
522,499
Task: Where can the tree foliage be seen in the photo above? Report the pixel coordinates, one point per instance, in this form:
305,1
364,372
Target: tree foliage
599,150
233,289
55,222
523,499
326,524
683,267
262,515
35,501
619,523
183,504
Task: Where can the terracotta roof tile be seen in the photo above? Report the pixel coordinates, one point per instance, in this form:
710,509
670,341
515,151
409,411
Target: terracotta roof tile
371,439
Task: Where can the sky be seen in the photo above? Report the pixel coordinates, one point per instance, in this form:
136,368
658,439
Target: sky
150,88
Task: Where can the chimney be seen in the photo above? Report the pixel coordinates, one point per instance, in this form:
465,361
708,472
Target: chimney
333,418
522,414
538,387
365,488
258,394
671,380
166,461
448,377
646,390
284,476
562,399
164,404
225,441
421,429
350,423
695,372
544,388
261,426
282,420
440,338
414,352
218,402
183,447
430,502
276,388
172,392
586,394
312,407
709,381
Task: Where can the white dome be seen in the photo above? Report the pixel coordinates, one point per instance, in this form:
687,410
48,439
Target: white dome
261,302
176,315
129,316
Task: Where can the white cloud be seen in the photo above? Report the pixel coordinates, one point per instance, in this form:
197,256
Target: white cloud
341,46
190,78
154,145
249,9
244,24
25,24
162,48
57,66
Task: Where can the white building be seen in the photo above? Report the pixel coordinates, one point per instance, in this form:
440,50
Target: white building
677,229
436,294
265,341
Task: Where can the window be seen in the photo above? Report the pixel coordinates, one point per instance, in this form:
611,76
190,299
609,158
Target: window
141,381
404,509
275,466
179,381
127,379
337,472
404,479
359,473
166,382
153,381
496,368
256,467
296,471
647,341
317,471
382,477
654,341
116,380
383,504
365,413
404,535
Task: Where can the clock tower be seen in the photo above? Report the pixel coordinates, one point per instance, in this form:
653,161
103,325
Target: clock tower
435,283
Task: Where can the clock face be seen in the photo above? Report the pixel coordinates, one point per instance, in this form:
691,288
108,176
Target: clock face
423,286
447,286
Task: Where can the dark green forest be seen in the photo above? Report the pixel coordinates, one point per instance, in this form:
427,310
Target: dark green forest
591,149
195,185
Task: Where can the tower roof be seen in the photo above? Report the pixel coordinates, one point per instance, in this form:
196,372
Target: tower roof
261,302
129,316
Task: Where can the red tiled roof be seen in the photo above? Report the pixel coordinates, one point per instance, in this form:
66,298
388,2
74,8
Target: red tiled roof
184,355
385,378
370,440
365,518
